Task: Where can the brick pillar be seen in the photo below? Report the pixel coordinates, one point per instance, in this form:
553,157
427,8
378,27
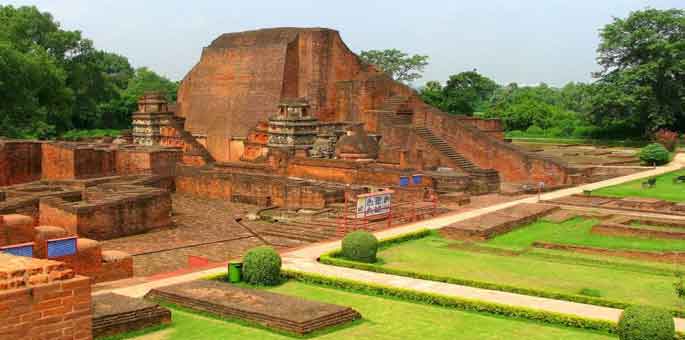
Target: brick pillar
404,159
41,299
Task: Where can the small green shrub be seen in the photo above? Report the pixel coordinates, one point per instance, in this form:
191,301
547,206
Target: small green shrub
646,323
360,246
262,266
535,130
654,154
590,292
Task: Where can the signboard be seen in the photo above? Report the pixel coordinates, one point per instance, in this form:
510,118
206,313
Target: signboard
61,247
375,203
25,249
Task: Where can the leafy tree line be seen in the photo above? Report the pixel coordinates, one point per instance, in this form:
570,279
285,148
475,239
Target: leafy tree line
54,80
639,89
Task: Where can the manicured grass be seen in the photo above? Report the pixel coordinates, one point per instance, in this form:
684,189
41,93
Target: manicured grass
562,140
665,189
577,232
382,319
432,255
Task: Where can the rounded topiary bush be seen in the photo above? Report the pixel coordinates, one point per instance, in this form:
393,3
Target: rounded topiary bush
643,323
262,266
654,154
360,246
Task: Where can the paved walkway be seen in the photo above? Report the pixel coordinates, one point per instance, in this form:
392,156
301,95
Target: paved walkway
304,259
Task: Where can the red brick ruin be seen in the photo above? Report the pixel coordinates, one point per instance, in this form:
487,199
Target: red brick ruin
286,117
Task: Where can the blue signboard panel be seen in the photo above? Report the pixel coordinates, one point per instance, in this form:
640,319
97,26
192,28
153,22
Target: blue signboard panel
404,181
417,179
61,247
22,250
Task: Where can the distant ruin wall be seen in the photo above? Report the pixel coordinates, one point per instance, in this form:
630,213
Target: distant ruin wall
348,172
254,189
110,217
20,162
513,163
75,161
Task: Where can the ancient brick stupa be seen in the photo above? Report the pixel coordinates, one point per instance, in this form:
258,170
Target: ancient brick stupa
152,116
293,128
247,80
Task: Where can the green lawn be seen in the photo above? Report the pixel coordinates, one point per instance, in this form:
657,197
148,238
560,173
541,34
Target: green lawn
664,189
382,319
577,232
432,255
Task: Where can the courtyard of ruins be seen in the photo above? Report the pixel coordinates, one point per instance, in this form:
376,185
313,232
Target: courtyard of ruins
285,138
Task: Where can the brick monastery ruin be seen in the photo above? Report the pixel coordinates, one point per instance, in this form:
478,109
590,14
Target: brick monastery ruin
286,117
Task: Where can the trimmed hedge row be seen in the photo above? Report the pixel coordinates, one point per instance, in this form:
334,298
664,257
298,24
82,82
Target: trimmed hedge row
332,258
454,302
642,322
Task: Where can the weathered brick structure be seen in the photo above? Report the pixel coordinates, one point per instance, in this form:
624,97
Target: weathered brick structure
42,299
88,259
243,77
20,161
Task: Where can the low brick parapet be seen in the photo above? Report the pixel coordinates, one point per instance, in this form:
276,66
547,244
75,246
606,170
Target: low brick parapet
41,299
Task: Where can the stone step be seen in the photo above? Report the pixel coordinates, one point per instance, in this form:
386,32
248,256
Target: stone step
292,235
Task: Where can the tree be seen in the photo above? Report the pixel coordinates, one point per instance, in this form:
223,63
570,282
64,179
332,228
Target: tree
464,93
432,94
32,88
521,107
143,80
642,80
397,64
467,92
53,80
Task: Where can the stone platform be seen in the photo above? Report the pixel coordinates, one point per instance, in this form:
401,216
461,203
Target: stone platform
116,314
277,311
636,204
497,222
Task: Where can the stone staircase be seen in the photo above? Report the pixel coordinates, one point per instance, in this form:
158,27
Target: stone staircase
194,146
395,111
446,149
311,231
394,119
397,104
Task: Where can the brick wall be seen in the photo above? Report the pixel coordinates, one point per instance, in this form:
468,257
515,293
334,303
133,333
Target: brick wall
117,214
41,299
63,160
143,160
513,163
20,162
258,189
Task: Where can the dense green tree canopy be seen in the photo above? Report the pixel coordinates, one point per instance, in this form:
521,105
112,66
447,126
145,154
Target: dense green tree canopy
639,89
642,81
399,65
53,80
464,93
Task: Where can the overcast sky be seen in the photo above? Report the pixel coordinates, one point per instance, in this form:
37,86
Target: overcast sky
524,41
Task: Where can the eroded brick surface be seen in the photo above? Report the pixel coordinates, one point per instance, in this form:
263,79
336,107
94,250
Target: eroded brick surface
40,299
